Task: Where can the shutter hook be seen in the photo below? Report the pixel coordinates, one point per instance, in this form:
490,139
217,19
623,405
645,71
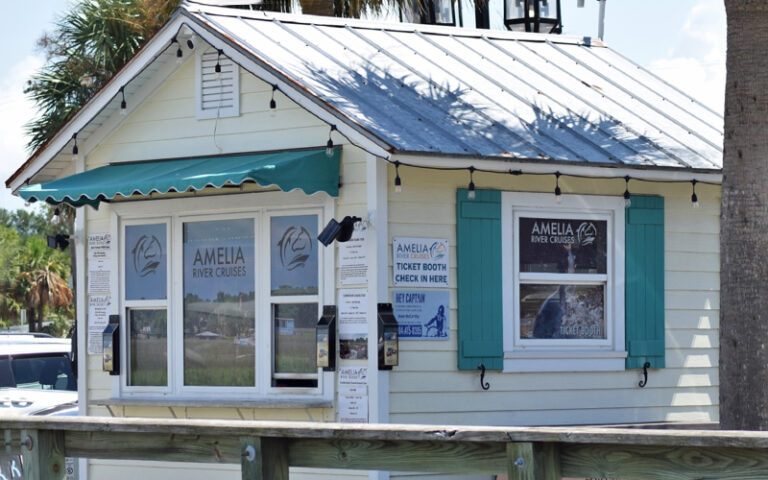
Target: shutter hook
483,384
644,381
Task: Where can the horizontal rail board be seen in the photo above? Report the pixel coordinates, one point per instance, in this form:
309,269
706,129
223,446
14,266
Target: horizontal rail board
266,449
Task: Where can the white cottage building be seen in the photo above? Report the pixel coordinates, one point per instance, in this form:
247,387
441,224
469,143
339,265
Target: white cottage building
491,173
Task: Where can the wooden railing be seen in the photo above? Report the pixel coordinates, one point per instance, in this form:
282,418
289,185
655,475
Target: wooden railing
265,450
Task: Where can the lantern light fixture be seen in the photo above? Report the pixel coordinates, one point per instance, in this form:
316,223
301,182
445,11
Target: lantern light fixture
536,16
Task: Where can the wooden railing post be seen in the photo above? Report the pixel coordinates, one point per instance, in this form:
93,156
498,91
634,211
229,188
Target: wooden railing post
43,457
533,461
264,458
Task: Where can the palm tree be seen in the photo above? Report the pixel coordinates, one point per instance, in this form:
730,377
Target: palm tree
89,45
10,246
41,284
744,222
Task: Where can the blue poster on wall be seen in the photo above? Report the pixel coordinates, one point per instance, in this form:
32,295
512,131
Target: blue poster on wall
146,265
422,314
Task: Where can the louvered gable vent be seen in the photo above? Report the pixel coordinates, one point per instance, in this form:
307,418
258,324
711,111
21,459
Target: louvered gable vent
217,96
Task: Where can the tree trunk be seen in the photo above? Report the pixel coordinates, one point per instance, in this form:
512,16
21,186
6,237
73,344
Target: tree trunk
744,222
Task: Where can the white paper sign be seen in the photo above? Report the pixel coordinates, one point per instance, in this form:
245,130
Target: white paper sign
353,311
353,257
99,258
98,318
353,375
353,404
98,276
99,246
420,262
353,324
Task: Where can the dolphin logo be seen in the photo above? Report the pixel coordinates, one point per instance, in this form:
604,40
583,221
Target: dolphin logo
147,253
295,246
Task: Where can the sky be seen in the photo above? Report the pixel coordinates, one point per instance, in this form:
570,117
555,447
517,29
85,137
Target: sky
682,41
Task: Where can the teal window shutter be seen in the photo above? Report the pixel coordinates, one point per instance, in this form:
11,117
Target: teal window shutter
478,247
644,287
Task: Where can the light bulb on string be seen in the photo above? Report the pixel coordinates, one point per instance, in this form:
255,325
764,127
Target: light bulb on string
558,192
471,187
123,105
272,102
217,68
329,144
56,219
398,182
694,197
75,150
179,53
627,195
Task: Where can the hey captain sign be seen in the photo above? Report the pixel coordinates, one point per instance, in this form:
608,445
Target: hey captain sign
420,262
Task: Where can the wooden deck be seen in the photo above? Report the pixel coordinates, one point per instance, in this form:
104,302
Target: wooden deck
266,449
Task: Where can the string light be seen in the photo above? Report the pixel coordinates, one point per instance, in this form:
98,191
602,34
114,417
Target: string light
398,182
217,68
471,187
272,102
627,195
179,53
557,174
56,219
329,145
123,105
558,192
74,149
694,197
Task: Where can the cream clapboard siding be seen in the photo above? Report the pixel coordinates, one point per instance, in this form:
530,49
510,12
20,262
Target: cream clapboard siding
427,387
164,126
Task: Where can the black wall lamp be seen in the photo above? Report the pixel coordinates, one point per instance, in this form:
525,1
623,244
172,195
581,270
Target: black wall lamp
59,241
339,231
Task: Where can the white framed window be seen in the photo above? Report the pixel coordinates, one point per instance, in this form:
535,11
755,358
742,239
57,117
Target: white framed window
217,94
563,282
235,312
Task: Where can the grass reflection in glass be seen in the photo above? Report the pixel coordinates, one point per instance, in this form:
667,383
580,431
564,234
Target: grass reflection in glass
148,354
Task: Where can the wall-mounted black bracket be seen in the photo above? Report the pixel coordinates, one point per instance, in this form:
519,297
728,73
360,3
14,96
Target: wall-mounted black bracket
644,381
485,385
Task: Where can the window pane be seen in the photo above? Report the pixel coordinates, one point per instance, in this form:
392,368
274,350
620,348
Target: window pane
563,246
148,353
44,372
295,349
562,311
219,303
145,262
293,255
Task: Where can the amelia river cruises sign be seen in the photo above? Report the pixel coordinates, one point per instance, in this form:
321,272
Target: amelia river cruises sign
420,262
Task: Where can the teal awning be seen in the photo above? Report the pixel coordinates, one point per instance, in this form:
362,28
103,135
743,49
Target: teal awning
309,170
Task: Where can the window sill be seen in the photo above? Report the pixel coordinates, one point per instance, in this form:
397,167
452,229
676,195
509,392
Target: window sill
281,402
564,361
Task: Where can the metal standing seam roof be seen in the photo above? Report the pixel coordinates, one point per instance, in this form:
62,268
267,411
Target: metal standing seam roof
450,91
429,90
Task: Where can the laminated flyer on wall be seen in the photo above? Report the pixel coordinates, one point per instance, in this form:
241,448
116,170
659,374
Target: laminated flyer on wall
420,262
353,324
353,257
422,314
